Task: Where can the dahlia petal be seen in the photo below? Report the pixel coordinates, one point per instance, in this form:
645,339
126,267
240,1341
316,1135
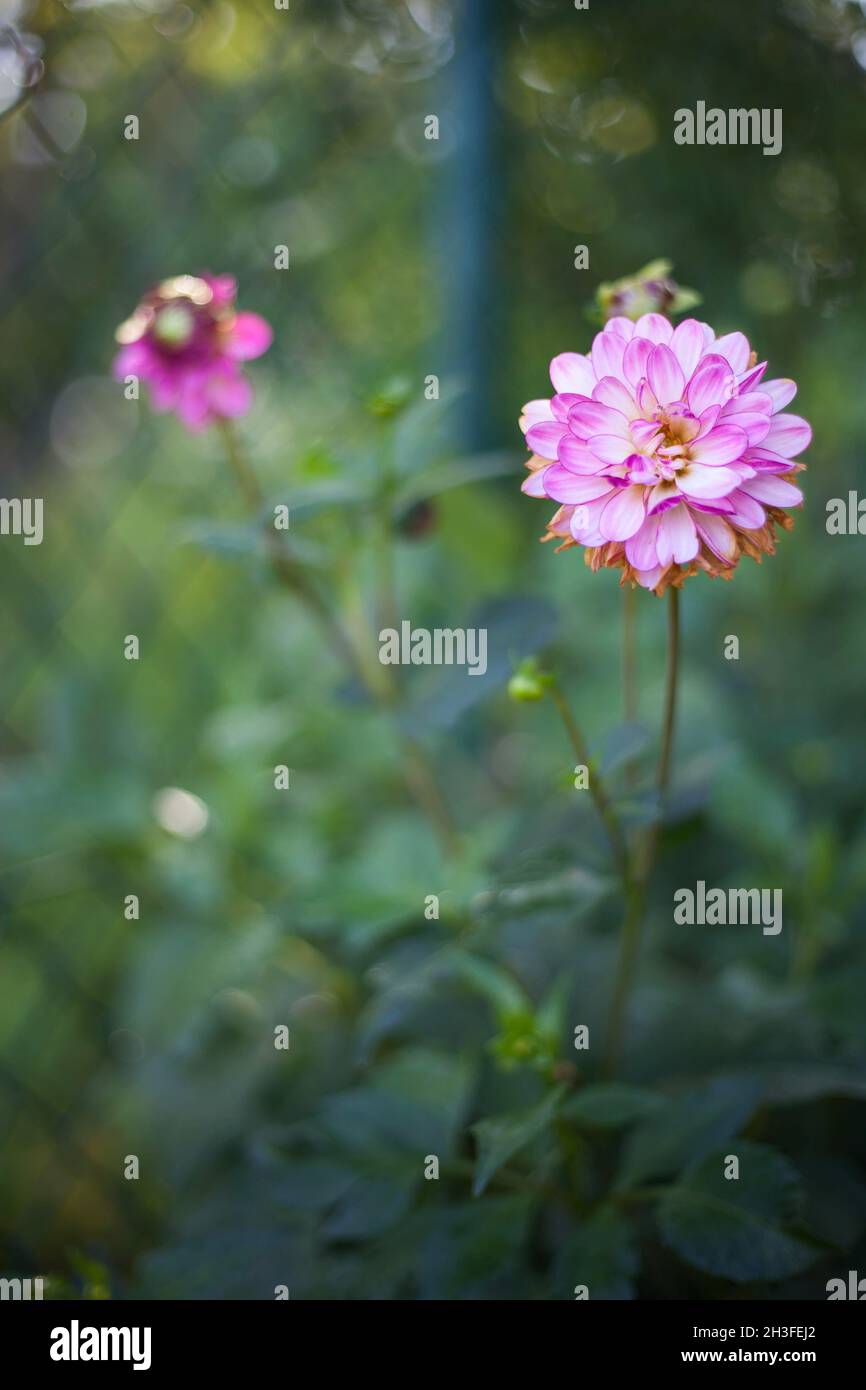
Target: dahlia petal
687,345
641,471
607,354
647,399
533,483
577,457
224,287
735,347
747,511
677,538
562,403
665,375
723,444
534,412
634,360
612,448
781,391
571,371
229,394
544,438
192,404
136,359
165,391
591,417
664,495
721,506
750,379
640,549
712,384
655,327
756,426
584,522
709,417
700,481
748,401
646,435
562,486
789,435
623,327
776,492
649,579
616,394
718,535
765,461
623,515
250,336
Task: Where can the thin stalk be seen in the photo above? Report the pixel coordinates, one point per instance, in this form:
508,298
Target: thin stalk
629,654
636,897
596,789
418,774
629,669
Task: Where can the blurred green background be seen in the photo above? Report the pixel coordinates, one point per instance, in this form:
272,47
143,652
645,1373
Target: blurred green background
410,1035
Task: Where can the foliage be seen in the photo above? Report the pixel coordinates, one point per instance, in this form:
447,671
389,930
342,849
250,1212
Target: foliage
411,1036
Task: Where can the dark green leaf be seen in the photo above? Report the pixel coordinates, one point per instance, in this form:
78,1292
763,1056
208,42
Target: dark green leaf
734,1227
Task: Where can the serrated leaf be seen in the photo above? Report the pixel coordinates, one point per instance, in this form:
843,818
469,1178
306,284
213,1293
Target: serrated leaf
687,1129
601,1253
734,1227
499,1138
612,1107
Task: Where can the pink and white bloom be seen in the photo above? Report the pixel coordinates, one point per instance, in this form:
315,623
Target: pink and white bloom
186,340
666,449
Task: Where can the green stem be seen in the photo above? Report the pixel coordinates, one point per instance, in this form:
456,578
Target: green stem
629,669
636,897
418,773
596,789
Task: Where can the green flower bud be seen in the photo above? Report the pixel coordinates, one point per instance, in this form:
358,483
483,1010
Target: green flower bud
525,688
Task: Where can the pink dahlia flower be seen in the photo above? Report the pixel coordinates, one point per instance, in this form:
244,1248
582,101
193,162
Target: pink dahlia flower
667,451
186,340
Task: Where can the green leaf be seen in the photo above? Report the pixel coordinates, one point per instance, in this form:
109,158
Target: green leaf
500,1137
492,981
476,1250
733,1227
477,468
516,626
612,1107
600,1253
620,745
686,1129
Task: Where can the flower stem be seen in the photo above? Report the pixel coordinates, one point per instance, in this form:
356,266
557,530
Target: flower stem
417,771
636,895
597,792
629,668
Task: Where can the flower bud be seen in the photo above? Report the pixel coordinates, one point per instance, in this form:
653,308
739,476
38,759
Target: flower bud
528,682
649,291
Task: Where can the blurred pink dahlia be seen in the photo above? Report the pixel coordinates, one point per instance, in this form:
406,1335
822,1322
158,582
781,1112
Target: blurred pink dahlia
186,340
667,451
